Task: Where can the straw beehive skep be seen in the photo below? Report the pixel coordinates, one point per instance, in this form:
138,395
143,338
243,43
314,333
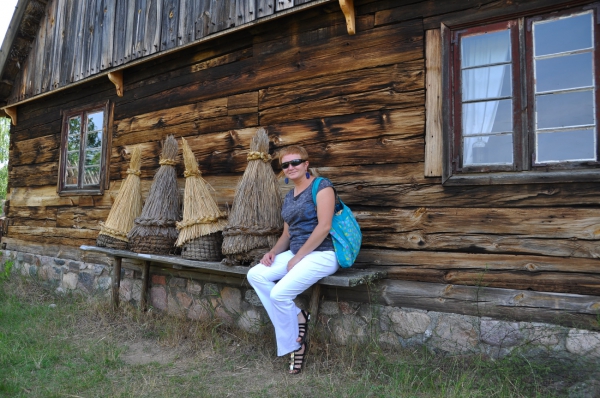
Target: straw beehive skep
154,230
255,218
127,206
201,215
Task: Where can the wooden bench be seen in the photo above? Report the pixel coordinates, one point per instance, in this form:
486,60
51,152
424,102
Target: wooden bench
345,277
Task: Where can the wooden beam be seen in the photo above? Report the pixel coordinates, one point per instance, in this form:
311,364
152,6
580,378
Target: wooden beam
347,7
314,301
433,103
116,282
145,280
116,78
12,113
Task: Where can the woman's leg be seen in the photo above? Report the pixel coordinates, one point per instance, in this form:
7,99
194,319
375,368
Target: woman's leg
284,312
262,278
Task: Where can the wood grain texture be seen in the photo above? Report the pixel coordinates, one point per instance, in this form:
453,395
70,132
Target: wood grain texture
558,308
108,20
169,30
398,260
186,24
362,106
433,103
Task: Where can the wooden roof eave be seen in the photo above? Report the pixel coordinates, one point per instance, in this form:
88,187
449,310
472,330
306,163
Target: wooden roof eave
120,68
11,33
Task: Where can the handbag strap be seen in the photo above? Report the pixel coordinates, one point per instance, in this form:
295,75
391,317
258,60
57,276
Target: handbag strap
315,189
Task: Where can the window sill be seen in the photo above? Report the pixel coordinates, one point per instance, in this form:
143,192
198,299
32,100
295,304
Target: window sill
82,192
524,177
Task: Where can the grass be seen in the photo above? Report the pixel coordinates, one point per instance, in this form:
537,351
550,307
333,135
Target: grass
73,346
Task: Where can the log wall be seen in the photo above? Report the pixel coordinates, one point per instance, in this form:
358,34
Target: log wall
357,103
80,39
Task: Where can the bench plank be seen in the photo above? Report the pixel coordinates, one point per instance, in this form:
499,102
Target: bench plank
345,277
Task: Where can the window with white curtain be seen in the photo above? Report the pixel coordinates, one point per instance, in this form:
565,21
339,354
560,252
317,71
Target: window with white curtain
523,95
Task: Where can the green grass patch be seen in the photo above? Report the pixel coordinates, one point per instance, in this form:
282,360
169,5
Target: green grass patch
61,346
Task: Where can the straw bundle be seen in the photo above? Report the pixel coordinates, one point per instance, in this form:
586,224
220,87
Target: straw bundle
255,221
154,231
200,231
127,206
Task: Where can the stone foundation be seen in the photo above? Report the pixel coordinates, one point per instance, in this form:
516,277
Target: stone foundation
345,322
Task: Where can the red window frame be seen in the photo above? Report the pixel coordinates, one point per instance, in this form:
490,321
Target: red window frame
524,168
81,189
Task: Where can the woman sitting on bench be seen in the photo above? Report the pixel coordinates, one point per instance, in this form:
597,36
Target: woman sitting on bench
301,257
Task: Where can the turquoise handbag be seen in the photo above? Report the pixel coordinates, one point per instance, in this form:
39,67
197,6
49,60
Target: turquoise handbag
345,230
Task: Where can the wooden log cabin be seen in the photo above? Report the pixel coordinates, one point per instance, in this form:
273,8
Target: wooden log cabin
463,134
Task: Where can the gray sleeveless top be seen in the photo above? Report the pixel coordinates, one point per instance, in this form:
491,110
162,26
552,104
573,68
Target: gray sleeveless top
300,213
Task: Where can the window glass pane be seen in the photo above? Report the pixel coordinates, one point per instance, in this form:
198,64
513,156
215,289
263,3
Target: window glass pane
567,71
92,157
72,176
495,149
564,109
94,140
566,145
95,121
487,117
73,142
485,49
74,134
564,34
92,175
486,82
73,159
75,125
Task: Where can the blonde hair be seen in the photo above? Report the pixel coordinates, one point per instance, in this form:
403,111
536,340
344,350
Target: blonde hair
293,149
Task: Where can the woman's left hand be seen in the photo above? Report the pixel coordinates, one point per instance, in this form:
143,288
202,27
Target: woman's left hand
292,263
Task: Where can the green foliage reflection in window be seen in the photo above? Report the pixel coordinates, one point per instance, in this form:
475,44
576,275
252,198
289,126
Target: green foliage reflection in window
84,149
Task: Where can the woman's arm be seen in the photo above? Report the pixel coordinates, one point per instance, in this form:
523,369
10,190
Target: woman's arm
325,209
283,243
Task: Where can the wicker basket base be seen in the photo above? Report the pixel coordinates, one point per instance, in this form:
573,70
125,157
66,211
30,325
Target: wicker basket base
205,248
109,241
152,245
249,259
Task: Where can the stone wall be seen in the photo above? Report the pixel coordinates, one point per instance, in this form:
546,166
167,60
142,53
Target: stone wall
344,322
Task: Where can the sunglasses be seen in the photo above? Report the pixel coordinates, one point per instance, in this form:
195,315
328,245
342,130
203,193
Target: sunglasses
295,162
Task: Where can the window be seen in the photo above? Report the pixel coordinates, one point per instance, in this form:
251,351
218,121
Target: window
523,99
83,162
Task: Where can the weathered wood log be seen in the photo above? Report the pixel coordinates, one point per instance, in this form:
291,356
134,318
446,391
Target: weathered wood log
559,308
33,175
39,237
337,55
470,243
398,122
47,196
382,99
203,126
547,222
81,218
433,104
371,151
407,76
67,252
56,232
560,282
36,150
400,260
432,193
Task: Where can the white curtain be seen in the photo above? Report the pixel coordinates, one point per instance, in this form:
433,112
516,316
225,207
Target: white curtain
481,83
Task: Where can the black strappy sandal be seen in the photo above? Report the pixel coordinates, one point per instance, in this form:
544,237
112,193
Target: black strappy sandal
303,327
297,360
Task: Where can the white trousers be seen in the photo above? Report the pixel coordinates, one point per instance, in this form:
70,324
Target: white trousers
277,298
